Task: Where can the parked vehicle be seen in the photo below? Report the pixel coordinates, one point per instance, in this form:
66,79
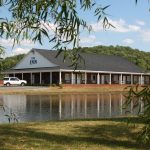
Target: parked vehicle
8,81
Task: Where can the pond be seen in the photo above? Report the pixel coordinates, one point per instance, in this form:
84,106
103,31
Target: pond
64,106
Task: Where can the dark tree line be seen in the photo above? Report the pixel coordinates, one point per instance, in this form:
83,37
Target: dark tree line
9,62
140,58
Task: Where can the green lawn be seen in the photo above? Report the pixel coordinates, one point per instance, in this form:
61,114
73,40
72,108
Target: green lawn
71,135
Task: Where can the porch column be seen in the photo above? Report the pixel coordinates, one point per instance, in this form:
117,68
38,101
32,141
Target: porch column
50,77
124,79
102,79
120,79
22,76
14,74
98,78
85,77
60,82
71,77
40,77
131,79
110,78
141,79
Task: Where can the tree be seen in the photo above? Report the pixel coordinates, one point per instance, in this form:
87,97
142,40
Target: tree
139,95
56,20
32,19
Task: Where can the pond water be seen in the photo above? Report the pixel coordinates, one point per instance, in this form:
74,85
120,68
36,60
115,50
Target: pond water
64,106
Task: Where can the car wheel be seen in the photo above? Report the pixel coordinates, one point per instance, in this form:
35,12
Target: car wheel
22,84
7,84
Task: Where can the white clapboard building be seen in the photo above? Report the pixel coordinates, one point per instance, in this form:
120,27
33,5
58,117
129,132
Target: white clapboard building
43,67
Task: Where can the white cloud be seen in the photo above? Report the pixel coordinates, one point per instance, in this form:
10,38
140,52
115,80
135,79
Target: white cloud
9,42
145,35
89,41
20,51
51,27
133,28
140,22
26,43
120,26
128,41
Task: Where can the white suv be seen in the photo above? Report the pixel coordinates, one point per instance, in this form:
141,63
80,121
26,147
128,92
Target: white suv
13,81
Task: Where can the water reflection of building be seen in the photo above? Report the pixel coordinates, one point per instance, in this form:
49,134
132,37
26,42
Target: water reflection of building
76,106
15,102
1,100
67,106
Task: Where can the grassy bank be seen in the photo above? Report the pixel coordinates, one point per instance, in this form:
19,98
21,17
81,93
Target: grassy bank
71,135
66,89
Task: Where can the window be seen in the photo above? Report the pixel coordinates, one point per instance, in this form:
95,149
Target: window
6,79
83,76
93,77
67,76
14,79
128,78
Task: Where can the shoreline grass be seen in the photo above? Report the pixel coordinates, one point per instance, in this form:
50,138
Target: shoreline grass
105,134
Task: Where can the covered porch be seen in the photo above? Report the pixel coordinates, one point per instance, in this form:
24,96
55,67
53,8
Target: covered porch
80,77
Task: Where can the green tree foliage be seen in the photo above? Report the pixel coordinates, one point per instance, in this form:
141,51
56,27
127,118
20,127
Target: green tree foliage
10,62
140,58
141,95
57,21
32,19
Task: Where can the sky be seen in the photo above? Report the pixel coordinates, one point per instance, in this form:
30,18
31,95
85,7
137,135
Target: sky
131,21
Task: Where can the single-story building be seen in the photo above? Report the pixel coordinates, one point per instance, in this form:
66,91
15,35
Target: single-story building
43,67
